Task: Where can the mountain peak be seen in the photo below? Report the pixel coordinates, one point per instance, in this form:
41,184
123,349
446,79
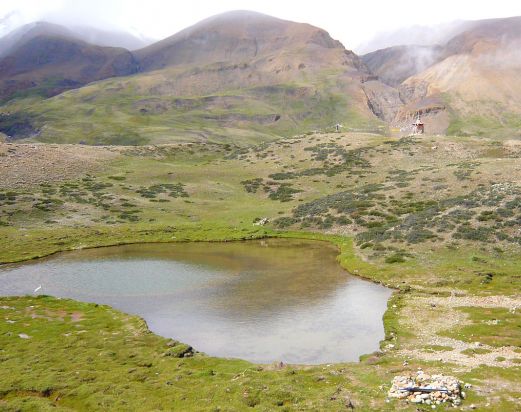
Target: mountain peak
240,14
236,36
28,32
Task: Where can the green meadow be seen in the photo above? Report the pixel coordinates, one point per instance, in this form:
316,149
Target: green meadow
435,218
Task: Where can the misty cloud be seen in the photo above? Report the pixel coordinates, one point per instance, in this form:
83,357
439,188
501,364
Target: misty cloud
352,24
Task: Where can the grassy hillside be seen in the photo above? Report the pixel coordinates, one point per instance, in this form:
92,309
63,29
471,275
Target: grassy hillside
141,110
442,229
197,149
234,78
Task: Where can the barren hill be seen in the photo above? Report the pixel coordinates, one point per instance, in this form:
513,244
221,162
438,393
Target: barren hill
470,85
244,36
479,80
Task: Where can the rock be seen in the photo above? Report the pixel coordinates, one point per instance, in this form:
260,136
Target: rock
180,350
24,336
261,222
348,404
424,389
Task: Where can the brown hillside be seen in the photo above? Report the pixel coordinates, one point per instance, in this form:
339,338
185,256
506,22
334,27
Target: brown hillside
48,64
243,36
395,64
470,85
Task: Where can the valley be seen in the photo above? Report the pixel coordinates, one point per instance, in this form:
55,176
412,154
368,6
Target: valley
249,128
438,230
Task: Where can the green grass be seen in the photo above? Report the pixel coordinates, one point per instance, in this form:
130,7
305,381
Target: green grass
218,192
90,357
437,348
501,125
491,326
130,111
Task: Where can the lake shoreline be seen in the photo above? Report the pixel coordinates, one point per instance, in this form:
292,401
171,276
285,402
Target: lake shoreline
305,272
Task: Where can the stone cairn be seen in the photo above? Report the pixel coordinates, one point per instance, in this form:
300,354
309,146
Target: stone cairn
428,389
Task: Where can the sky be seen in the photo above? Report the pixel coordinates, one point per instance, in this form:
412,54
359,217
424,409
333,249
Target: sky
352,22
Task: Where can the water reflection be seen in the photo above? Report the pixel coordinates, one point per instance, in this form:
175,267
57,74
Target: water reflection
262,300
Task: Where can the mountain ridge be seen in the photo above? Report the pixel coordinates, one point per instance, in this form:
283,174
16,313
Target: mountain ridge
46,59
245,71
239,76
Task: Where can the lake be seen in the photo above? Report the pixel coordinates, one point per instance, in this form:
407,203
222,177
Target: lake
260,300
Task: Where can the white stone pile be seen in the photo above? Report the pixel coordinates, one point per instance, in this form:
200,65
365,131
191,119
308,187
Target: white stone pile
427,389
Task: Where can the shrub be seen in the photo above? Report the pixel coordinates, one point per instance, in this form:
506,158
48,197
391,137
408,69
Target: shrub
395,258
284,193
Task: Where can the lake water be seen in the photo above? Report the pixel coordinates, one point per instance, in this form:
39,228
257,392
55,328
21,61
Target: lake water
263,300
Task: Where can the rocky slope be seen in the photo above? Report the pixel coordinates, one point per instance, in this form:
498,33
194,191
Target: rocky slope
470,85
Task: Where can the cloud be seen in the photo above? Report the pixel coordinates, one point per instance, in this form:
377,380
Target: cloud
350,22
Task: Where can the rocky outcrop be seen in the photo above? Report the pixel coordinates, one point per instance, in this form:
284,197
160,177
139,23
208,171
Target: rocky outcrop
413,90
383,100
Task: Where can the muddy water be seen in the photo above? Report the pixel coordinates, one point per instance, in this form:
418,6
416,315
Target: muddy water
264,301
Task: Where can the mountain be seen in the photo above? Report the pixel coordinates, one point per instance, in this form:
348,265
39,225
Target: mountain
395,64
468,85
244,49
477,80
91,35
244,36
110,38
244,77
238,77
46,59
415,35
23,34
